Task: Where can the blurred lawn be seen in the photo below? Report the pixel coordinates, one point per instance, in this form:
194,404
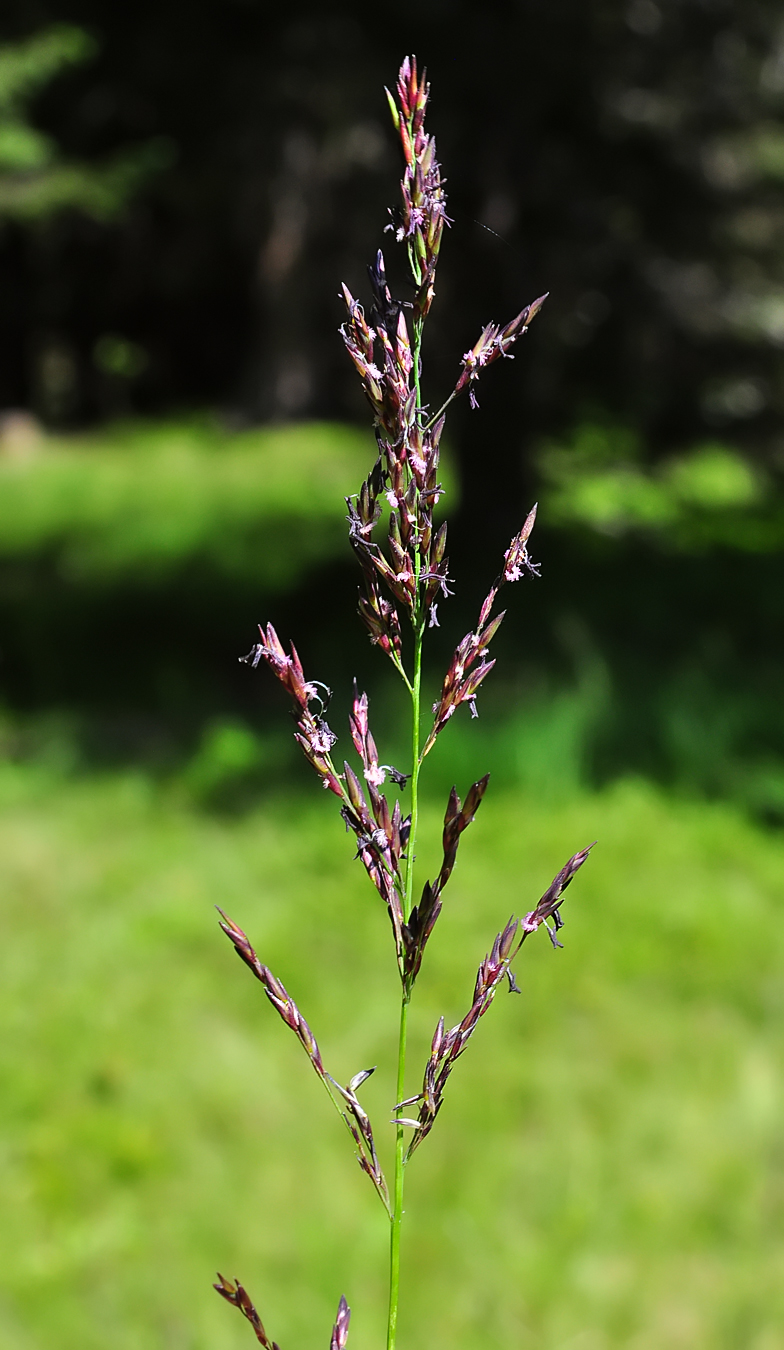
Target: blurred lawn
608,1169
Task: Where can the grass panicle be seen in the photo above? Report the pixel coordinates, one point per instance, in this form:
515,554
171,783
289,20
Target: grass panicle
405,575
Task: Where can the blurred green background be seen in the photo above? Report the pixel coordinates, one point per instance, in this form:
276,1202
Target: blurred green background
181,191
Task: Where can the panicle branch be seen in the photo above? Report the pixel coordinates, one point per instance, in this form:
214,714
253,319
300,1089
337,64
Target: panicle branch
493,342
354,1116
239,1298
469,665
422,217
381,833
550,903
447,1046
276,993
313,733
423,916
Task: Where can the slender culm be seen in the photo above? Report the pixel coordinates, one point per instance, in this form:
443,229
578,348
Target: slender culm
404,578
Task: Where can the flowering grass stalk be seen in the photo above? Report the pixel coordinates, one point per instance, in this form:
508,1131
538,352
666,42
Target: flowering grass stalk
402,587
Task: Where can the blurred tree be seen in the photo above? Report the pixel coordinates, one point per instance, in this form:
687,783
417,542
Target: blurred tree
35,179
38,183
627,155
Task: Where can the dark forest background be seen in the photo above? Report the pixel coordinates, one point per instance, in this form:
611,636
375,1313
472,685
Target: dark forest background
182,189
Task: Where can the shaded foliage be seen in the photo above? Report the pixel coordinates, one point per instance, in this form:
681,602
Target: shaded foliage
627,157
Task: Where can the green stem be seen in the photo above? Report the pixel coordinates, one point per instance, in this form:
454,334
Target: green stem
415,689
397,1198
416,686
441,410
400,1142
416,353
